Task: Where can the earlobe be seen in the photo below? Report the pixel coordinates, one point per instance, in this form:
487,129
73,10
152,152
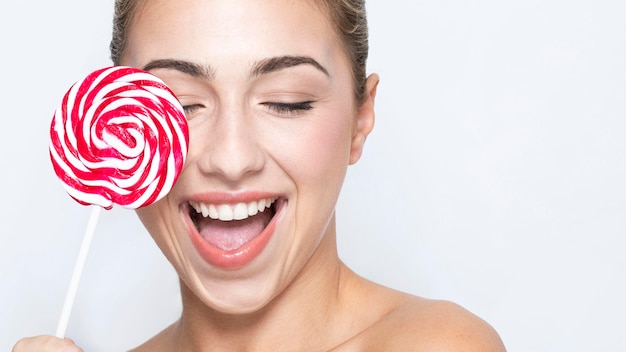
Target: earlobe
365,118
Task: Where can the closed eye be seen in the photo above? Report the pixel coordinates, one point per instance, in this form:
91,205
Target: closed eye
289,108
191,109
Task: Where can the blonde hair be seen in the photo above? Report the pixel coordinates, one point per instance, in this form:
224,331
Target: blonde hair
348,17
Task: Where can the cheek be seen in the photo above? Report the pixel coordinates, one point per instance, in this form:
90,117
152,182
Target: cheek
155,220
327,149
317,151
147,217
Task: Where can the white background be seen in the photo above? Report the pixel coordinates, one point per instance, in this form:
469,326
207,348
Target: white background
495,176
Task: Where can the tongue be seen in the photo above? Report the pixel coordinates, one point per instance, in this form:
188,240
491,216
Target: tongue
230,235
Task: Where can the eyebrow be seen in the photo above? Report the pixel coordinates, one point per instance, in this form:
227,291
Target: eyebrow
282,62
262,67
190,68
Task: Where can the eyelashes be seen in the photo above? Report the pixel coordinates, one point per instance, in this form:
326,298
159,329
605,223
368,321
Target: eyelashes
288,109
191,109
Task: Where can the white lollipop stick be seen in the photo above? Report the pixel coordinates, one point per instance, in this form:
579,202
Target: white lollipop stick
119,137
78,270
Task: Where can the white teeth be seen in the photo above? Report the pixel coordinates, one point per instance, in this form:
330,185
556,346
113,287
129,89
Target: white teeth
229,212
226,212
240,211
213,213
205,210
253,208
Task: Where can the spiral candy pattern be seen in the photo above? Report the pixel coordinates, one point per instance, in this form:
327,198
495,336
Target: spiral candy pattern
120,137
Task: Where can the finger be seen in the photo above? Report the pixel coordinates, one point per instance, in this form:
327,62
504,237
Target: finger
45,343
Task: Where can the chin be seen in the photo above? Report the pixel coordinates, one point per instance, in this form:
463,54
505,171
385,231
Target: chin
242,300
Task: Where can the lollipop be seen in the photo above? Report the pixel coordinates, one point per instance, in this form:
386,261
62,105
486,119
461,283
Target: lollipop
119,137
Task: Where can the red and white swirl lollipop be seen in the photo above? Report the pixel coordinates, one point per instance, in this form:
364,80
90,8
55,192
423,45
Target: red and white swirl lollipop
119,137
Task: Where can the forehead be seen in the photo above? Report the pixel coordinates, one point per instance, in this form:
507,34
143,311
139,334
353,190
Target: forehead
203,29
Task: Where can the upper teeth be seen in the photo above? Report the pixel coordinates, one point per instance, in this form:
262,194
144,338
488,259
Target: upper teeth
228,212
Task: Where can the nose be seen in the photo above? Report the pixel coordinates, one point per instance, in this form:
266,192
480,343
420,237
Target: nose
229,147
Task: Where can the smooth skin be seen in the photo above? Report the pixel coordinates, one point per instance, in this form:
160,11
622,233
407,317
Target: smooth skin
290,131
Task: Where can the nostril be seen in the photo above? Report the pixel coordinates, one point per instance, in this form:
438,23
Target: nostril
235,166
229,147
228,164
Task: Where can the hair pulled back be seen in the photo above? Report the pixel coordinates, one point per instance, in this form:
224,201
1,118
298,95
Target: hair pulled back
347,16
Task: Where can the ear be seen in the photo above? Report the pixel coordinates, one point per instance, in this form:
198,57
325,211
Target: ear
365,118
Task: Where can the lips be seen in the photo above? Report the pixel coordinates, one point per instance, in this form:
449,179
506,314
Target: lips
230,235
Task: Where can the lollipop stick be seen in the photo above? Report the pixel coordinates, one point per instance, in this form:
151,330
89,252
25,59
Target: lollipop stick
78,269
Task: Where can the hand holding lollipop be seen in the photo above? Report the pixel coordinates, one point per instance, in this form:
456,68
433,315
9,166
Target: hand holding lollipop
119,137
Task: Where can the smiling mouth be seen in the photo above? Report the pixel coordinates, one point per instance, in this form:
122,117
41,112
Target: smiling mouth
230,226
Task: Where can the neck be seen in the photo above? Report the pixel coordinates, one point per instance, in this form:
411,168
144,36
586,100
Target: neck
299,318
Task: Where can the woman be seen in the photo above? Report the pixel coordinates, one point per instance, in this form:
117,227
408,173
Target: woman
278,105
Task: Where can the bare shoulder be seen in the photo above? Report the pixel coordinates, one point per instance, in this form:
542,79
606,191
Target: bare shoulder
418,324
159,342
443,326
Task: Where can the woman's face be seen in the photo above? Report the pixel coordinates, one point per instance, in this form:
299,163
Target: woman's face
268,93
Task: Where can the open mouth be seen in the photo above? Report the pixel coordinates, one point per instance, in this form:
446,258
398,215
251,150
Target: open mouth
230,226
